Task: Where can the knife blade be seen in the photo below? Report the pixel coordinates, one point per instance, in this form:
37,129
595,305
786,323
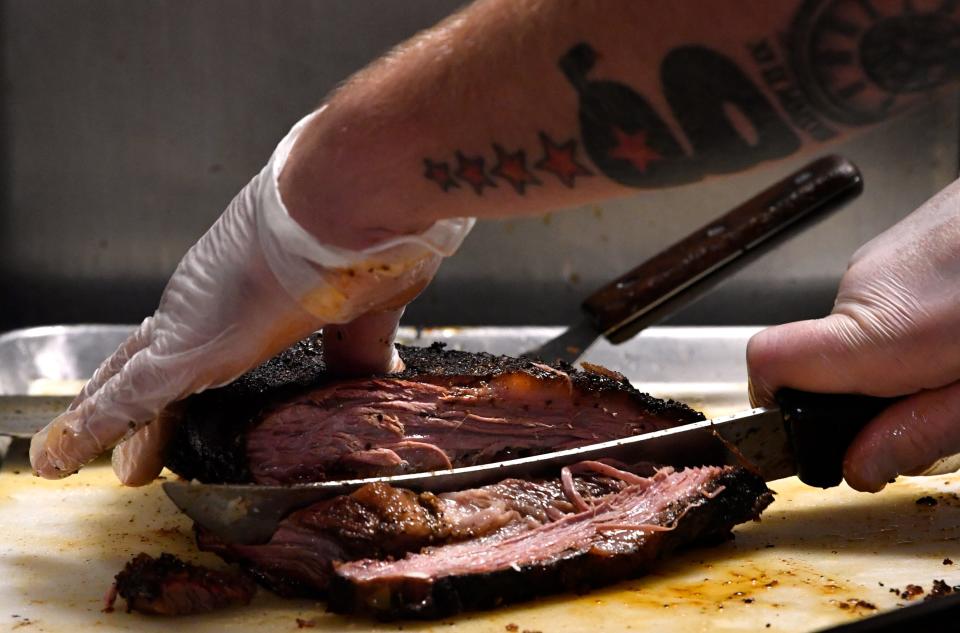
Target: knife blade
807,434
682,273
21,416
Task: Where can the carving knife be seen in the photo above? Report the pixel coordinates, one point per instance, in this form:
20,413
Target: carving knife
681,274
806,435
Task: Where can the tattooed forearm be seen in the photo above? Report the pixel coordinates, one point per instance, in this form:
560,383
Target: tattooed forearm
839,63
780,81
512,167
470,170
440,174
861,61
559,159
631,143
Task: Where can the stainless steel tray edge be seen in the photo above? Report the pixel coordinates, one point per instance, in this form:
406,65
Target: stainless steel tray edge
694,364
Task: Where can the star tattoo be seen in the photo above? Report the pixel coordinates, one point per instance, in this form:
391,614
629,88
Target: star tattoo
470,170
633,148
512,167
560,160
440,174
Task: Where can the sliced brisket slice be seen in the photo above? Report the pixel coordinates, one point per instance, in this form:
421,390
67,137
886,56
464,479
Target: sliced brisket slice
288,421
169,586
619,537
379,521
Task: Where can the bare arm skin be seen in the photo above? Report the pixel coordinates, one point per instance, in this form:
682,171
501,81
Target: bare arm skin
515,107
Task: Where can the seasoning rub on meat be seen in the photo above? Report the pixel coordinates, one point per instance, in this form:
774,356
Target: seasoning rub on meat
289,421
168,586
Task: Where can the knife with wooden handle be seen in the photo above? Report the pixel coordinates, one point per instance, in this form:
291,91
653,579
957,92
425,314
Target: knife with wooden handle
806,435
684,272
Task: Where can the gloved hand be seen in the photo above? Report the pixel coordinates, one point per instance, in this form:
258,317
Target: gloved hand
255,283
894,331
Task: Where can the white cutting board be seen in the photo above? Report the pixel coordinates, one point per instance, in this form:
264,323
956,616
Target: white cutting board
62,542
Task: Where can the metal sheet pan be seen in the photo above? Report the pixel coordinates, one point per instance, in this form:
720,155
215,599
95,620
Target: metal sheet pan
700,365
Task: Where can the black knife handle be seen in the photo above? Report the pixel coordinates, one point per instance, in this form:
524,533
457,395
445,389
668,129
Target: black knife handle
821,426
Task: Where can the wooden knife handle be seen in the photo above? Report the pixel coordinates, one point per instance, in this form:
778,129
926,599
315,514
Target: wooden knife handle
821,426
682,273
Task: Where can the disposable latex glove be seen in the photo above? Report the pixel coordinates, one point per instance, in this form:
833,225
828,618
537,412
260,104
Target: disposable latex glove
254,284
894,331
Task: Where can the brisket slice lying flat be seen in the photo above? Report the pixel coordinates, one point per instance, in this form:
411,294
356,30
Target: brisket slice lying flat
379,521
287,421
169,586
619,537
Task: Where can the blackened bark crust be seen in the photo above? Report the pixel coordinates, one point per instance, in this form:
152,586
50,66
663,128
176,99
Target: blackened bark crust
209,444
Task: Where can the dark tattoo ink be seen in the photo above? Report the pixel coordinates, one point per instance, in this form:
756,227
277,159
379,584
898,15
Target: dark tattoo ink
512,167
470,170
867,7
630,143
851,62
860,62
440,174
615,121
560,160
701,87
778,78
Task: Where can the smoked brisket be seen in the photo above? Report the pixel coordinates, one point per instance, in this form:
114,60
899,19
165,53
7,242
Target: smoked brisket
397,553
380,521
617,537
169,586
288,421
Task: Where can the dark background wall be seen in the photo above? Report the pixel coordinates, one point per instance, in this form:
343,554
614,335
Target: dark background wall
126,127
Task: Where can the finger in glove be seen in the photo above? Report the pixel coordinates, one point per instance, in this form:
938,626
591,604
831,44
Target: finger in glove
363,346
139,459
905,438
